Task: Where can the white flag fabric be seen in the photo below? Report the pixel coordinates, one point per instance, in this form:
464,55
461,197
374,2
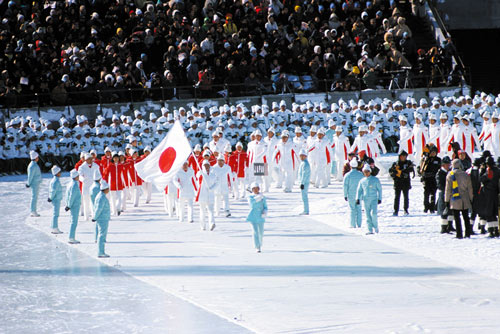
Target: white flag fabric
167,158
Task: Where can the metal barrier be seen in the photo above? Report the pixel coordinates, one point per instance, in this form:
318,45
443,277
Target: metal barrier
125,101
284,84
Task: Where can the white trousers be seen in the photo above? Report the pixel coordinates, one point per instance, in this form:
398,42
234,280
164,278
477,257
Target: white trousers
206,208
240,187
125,195
224,198
137,192
287,176
148,188
185,203
169,202
340,168
87,206
115,201
322,175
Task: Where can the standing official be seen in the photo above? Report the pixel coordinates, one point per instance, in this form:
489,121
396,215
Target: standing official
55,197
73,202
34,181
304,177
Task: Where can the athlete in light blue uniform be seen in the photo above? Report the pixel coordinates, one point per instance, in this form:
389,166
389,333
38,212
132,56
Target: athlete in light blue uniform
94,190
258,210
73,202
55,197
370,192
304,176
34,181
351,182
102,214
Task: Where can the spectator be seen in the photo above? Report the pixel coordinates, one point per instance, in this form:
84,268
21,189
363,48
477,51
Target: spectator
130,40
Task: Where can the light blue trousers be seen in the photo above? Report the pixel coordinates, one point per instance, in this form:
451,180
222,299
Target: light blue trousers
355,213
35,189
371,214
258,234
103,232
75,212
55,215
305,198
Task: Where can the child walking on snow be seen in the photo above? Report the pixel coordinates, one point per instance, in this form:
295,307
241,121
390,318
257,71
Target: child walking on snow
258,210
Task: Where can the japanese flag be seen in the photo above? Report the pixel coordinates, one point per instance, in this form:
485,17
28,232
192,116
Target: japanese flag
161,166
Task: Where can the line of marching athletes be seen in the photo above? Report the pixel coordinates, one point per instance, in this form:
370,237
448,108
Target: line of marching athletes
118,170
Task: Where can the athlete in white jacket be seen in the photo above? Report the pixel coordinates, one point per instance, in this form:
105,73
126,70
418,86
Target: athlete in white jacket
224,181
205,195
186,183
286,156
86,173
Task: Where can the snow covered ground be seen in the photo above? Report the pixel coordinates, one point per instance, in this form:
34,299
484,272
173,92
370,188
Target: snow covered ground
48,287
315,275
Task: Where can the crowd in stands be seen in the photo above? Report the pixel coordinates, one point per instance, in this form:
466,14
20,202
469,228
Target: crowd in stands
65,51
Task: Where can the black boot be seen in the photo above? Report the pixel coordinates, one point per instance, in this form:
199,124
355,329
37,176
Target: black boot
483,229
444,229
450,227
492,232
497,233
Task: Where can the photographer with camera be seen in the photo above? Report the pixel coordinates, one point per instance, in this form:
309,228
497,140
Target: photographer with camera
400,172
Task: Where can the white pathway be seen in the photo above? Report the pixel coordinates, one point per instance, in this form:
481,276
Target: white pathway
315,275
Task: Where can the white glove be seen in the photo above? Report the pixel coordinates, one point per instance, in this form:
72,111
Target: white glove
264,213
258,198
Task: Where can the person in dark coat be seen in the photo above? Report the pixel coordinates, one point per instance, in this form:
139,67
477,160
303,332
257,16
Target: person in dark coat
428,168
400,172
458,194
443,209
488,207
474,173
374,169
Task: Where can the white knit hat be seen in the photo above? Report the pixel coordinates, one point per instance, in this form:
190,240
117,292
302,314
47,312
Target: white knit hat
55,170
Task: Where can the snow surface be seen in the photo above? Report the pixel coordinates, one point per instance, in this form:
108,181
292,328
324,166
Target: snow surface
315,275
48,287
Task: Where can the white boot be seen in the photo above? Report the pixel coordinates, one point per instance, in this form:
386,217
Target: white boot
56,231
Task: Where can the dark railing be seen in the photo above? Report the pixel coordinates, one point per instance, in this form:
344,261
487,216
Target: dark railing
287,84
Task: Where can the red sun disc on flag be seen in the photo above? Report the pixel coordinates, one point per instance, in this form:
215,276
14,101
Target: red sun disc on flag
167,159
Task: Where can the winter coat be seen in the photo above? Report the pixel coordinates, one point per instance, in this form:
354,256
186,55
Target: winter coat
238,162
94,191
369,188
55,190
87,173
285,156
304,174
102,211
73,195
224,178
206,186
114,176
428,169
258,207
441,179
34,174
400,172
464,188
186,183
351,182
488,206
